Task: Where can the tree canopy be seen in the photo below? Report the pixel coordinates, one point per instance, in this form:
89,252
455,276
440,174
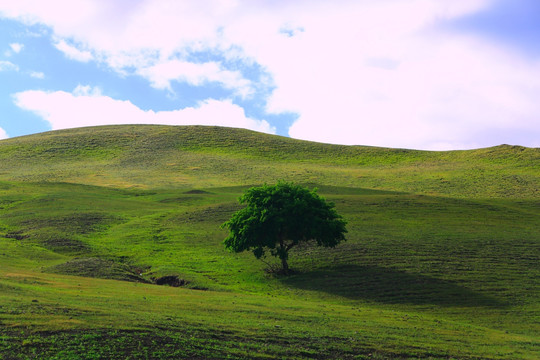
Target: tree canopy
279,217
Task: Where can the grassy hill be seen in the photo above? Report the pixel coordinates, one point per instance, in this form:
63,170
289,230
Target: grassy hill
441,261
193,156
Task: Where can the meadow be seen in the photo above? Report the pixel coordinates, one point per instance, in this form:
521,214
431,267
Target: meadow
441,259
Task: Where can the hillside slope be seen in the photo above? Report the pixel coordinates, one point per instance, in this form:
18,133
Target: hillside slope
195,156
441,259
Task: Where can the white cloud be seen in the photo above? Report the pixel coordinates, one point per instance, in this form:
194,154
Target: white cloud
8,66
161,75
16,47
37,74
148,36
3,134
86,106
73,52
377,73
356,72
452,94
87,90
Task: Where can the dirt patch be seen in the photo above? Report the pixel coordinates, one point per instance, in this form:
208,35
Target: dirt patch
17,235
79,223
186,200
171,280
65,245
195,191
200,288
98,268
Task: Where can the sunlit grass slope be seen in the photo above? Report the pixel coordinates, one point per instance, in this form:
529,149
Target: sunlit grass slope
441,261
191,156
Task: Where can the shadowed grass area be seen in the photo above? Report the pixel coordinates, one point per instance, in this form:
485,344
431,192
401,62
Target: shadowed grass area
386,285
441,259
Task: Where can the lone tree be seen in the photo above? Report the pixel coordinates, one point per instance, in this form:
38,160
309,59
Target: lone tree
279,217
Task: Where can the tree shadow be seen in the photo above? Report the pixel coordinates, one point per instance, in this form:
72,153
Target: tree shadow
390,286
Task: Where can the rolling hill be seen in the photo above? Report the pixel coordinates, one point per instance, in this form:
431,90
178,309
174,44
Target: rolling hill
183,157
441,259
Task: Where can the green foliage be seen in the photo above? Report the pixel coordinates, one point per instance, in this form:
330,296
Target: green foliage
279,217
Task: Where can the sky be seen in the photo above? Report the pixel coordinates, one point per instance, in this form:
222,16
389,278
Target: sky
417,74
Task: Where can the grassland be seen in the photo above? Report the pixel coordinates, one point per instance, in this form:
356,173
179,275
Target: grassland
441,261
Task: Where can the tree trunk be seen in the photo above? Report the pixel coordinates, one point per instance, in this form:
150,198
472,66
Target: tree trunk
282,252
285,265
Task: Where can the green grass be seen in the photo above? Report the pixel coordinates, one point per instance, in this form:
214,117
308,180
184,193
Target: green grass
151,157
441,260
